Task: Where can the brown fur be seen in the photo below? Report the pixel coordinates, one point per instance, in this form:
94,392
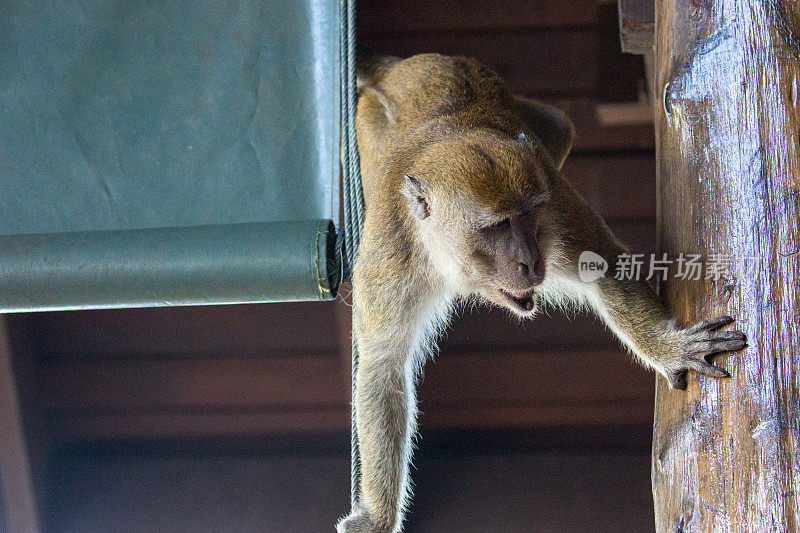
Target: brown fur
459,204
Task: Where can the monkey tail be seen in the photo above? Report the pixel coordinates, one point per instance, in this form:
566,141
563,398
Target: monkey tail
371,67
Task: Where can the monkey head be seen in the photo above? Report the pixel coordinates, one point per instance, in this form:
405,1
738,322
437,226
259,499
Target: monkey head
480,200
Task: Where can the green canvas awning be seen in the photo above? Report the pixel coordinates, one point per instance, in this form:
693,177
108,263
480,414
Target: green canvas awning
164,153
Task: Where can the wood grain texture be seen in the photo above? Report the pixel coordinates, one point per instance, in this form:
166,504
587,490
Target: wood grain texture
726,453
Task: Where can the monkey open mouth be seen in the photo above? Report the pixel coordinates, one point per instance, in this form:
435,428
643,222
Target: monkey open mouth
521,300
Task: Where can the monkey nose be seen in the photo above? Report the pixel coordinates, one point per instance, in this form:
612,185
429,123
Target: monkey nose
532,271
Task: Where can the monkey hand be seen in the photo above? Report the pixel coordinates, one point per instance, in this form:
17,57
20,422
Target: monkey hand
700,342
358,521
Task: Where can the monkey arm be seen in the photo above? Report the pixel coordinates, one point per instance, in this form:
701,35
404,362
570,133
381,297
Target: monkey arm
636,315
396,314
631,308
386,418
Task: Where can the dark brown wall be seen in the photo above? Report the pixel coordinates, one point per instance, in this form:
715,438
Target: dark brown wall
593,480
168,383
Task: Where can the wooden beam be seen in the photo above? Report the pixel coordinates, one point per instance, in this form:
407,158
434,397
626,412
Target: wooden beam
375,17
232,396
15,471
637,20
726,452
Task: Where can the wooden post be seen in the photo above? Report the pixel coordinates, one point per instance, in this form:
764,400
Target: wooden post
726,453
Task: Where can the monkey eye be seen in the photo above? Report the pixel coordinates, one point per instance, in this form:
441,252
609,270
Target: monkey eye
502,224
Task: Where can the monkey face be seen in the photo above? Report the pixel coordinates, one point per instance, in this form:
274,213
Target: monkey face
482,212
499,256
508,259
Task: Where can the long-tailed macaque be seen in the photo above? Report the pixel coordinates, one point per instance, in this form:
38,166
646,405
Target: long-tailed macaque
465,200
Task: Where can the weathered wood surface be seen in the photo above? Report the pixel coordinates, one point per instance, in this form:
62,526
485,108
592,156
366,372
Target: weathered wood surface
726,453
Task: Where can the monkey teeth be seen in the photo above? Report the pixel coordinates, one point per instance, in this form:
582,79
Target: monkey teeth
521,300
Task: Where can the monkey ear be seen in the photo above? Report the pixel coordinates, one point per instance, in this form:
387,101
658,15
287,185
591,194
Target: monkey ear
551,126
416,196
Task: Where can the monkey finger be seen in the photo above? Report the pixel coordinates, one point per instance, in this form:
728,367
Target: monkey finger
709,369
712,337
733,334
712,324
727,345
